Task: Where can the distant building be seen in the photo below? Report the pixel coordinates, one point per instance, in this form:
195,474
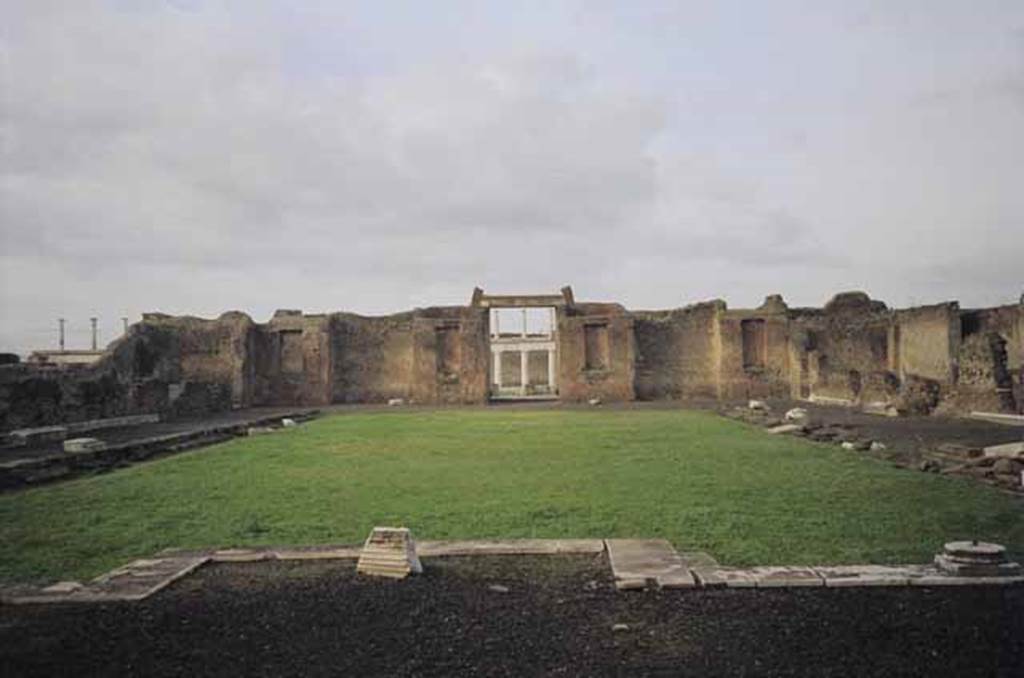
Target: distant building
64,357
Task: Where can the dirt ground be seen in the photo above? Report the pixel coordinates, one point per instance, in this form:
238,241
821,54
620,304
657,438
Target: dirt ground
554,616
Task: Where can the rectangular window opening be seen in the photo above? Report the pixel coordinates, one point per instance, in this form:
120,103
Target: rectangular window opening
755,343
595,344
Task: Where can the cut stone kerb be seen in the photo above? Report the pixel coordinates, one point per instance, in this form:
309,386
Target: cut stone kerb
389,552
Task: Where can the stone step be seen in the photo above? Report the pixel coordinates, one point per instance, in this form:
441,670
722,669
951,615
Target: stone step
636,562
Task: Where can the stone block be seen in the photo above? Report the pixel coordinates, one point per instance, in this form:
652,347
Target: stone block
1011,450
842,576
648,560
785,576
79,445
389,552
40,435
720,577
797,414
785,428
63,587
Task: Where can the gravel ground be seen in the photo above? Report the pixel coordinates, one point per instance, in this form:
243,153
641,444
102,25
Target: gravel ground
558,616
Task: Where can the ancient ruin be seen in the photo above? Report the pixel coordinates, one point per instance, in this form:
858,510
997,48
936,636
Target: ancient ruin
853,351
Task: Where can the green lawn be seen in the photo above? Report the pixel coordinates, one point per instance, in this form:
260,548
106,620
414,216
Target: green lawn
699,480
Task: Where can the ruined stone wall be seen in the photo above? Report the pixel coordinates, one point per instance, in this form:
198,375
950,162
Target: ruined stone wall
755,360
847,346
433,355
990,376
854,349
929,338
173,366
292,358
677,352
596,353
372,358
207,364
450,356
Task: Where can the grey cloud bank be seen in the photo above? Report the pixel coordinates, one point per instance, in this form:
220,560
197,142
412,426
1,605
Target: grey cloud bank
195,157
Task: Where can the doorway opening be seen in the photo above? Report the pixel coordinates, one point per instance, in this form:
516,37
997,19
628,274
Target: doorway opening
524,353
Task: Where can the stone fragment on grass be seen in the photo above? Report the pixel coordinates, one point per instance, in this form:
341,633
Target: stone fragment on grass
758,405
1010,450
289,423
797,414
784,428
395,402
877,446
63,587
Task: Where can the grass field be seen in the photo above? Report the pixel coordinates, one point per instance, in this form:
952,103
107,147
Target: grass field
699,480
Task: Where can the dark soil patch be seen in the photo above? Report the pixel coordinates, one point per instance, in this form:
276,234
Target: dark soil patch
556,618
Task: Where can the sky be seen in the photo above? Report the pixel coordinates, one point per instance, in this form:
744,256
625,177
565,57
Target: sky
195,157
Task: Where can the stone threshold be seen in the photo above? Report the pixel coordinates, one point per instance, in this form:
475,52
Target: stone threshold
637,564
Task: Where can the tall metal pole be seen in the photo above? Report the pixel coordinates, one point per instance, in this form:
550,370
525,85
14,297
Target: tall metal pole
93,321
61,321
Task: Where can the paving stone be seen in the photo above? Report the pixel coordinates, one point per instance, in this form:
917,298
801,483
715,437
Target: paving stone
694,559
134,581
77,445
501,547
630,584
720,577
316,553
241,555
63,587
633,559
1011,450
947,580
785,428
840,576
785,576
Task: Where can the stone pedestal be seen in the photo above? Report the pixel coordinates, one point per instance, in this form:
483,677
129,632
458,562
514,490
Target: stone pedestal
389,552
975,559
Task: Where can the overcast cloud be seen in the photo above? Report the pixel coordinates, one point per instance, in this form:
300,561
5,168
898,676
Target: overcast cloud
195,157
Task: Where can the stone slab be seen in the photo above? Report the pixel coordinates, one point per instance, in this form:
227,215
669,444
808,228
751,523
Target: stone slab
77,445
694,559
721,577
842,576
317,553
1009,450
509,547
135,581
647,559
112,422
785,576
241,555
785,428
999,418
40,434
946,580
